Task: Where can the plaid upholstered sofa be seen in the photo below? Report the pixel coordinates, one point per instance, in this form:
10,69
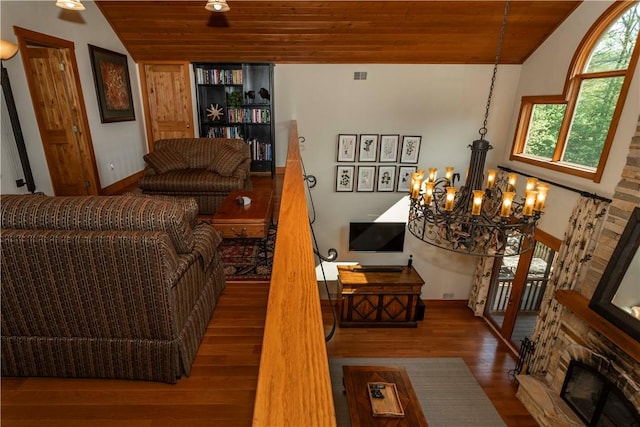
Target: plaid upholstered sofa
207,169
105,287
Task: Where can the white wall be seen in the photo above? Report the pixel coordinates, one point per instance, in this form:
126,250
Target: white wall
122,144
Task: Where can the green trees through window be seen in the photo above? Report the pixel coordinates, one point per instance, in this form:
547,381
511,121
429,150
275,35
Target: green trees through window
573,133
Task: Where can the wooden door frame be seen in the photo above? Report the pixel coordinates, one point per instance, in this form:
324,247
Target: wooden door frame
186,69
27,37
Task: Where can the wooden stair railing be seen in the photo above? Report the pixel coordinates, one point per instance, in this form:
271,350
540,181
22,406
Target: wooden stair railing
294,387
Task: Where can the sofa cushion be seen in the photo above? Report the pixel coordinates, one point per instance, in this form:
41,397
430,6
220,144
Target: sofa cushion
191,181
165,160
226,161
99,213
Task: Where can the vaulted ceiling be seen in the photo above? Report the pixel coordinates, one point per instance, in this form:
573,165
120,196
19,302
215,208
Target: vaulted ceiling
391,32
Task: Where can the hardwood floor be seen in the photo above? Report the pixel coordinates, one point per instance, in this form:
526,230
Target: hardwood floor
221,388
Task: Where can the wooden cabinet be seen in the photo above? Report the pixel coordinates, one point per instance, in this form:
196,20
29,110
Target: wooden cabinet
372,297
236,101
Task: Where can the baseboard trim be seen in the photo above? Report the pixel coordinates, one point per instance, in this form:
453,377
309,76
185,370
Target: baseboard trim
120,186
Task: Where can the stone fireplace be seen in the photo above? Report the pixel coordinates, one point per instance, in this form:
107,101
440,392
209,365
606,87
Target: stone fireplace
580,338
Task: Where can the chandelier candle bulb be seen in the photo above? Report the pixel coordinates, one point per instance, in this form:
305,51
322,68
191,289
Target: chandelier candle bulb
416,183
530,200
433,172
428,192
451,197
512,178
507,201
491,177
531,184
543,189
448,173
477,202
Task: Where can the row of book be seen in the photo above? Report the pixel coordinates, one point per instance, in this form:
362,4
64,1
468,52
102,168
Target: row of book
249,115
218,77
225,132
260,150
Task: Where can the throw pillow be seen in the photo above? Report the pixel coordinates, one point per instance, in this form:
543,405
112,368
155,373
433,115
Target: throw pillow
166,159
226,161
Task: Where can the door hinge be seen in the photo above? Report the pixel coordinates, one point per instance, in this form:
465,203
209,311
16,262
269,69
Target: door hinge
87,184
75,129
62,66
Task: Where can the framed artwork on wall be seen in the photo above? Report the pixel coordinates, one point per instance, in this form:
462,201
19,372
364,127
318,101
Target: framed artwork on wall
366,178
410,149
368,148
389,148
386,178
404,177
344,178
347,147
113,87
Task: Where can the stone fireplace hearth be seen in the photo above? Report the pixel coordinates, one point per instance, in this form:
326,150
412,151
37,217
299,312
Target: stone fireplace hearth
584,336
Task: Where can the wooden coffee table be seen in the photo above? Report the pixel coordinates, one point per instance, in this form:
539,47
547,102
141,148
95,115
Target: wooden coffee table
355,383
252,221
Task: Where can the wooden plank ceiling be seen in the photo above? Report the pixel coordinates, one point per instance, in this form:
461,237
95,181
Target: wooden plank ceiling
384,32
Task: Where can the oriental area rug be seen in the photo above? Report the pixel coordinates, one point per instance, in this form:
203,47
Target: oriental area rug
246,259
449,395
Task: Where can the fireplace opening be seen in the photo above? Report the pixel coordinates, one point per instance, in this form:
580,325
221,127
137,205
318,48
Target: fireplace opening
595,399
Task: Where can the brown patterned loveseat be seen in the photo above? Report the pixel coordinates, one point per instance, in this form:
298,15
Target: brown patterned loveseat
207,169
105,287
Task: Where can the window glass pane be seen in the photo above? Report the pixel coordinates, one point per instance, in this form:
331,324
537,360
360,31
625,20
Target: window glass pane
596,103
543,130
613,51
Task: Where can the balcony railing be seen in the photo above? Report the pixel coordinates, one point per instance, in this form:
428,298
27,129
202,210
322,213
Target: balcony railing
531,297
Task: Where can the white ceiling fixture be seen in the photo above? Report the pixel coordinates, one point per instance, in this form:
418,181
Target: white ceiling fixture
70,4
217,6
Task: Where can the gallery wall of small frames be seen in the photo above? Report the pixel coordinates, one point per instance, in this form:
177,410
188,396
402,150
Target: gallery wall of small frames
377,162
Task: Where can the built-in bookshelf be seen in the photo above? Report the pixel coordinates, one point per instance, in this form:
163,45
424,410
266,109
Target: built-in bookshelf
236,101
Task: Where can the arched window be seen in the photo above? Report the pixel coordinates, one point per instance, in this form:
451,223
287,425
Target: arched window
573,132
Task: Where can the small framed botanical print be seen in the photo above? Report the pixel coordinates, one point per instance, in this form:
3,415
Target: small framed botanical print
386,178
347,148
410,149
389,148
344,178
366,178
368,149
404,177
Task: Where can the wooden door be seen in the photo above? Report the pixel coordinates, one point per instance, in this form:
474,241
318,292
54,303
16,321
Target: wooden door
51,72
166,90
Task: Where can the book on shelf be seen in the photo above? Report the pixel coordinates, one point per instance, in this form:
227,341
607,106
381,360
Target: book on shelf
233,132
260,151
249,115
218,76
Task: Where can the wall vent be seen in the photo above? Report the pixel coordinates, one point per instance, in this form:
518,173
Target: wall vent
360,75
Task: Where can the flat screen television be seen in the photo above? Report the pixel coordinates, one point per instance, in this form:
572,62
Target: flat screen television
376,236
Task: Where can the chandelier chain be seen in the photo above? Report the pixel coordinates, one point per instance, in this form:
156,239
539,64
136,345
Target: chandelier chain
483,129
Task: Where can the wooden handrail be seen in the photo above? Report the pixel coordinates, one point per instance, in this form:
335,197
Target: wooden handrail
294,387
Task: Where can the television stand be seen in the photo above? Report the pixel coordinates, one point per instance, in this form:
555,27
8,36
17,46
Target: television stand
378,296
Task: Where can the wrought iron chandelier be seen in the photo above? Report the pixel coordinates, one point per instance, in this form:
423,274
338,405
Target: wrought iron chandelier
470,220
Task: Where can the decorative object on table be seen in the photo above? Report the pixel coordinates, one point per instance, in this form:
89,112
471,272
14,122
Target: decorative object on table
368,148
410,149
404,177
113,87
473,221
366,178
214,112
250,95
386,178
70,4
389,148
264,94
246,260
344,178
347,147
234,99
